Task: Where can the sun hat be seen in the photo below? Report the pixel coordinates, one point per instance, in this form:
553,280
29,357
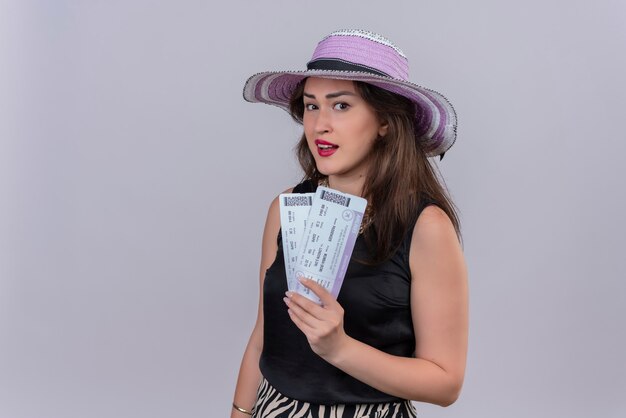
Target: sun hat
355,54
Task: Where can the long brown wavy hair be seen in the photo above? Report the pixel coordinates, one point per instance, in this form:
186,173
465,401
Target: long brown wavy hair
400,177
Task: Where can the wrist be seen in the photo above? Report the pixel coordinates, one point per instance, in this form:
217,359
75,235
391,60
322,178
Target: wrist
341,352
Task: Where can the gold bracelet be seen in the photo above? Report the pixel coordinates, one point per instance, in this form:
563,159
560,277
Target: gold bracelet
245,411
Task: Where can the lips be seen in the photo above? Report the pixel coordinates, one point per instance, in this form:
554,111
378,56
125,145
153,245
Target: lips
325,148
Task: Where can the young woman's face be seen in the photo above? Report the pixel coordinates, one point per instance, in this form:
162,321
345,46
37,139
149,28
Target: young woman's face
340,127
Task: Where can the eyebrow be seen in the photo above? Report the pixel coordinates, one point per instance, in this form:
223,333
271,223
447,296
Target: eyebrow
331,95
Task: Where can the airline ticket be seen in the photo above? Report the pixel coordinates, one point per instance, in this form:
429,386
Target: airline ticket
331,230
294,210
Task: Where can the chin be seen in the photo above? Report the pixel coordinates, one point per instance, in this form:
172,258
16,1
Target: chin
325,170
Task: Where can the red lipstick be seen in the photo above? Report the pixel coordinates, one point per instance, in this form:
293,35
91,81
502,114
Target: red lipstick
325,148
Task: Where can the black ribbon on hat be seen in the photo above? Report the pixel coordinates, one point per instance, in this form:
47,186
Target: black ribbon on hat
334,64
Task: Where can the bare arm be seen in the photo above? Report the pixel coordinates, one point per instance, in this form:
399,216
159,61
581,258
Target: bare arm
440,319
249,374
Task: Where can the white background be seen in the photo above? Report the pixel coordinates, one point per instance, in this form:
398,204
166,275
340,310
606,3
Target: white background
134,183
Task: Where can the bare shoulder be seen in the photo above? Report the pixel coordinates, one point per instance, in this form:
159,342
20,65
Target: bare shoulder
434,244
433,223
274,209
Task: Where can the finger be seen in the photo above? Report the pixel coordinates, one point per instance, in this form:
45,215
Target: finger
307,305
300,318
321,292
299,311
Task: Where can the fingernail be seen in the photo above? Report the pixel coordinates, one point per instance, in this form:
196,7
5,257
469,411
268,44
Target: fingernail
286,300
289,293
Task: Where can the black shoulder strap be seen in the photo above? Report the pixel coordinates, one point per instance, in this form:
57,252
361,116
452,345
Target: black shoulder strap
307,186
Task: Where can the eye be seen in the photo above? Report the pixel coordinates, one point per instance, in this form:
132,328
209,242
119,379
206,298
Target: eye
341,106
309,106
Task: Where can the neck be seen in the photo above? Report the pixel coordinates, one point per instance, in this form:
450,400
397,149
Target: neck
352,184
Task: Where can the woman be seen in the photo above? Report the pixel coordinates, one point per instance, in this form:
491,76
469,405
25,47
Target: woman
398,329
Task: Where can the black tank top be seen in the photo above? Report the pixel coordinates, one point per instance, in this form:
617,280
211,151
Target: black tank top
377,311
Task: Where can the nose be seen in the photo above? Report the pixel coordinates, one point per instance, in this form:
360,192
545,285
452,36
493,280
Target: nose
322,121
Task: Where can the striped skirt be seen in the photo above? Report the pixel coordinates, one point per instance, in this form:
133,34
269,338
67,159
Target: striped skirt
272,404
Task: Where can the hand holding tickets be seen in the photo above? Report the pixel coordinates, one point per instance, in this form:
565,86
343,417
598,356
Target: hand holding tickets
318,245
